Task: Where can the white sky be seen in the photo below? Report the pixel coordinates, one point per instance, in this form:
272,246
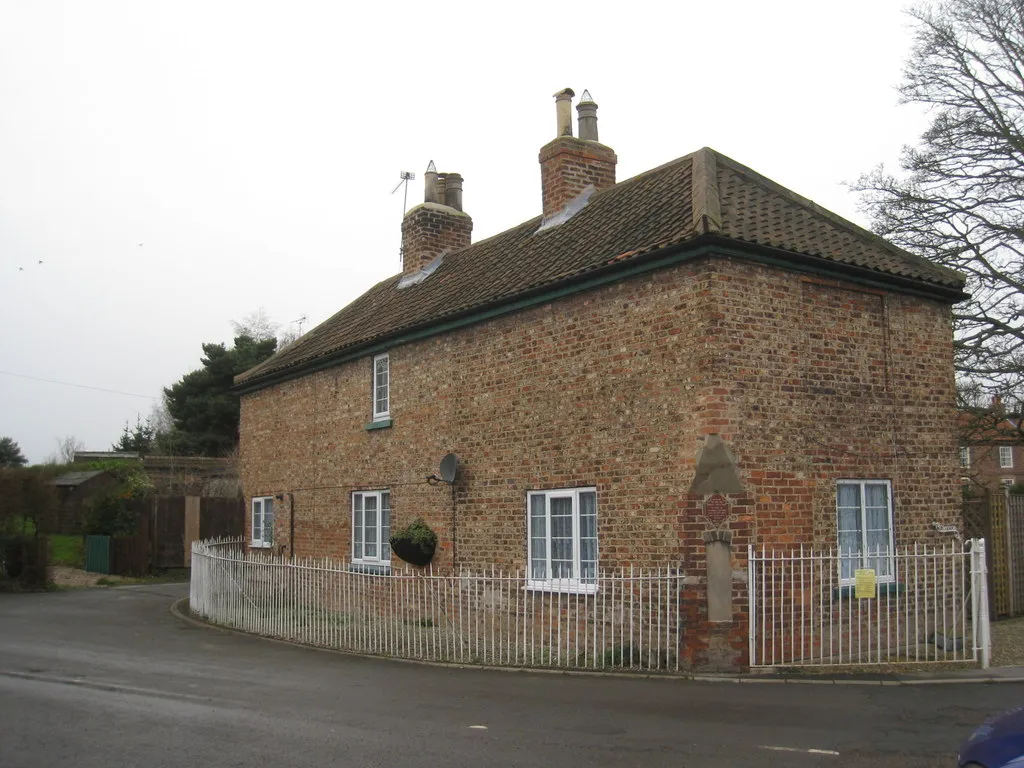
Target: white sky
177,165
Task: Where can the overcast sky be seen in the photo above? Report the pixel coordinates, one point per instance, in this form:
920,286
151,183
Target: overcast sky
177,165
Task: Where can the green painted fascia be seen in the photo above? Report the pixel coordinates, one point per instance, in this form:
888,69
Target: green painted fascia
817,265
666,257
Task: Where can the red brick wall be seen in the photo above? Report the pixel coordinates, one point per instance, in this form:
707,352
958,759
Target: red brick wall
812,381
592,390
808,381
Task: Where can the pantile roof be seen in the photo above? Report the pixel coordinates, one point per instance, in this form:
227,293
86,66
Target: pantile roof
699,198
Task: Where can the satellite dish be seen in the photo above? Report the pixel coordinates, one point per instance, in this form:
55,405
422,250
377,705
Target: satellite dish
449,466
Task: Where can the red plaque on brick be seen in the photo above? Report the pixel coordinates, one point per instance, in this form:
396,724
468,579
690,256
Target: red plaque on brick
716,509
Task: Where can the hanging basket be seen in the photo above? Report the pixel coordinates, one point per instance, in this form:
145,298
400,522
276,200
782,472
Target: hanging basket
415,543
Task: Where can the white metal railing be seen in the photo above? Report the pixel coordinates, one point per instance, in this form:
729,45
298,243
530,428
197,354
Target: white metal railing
632,621
934,607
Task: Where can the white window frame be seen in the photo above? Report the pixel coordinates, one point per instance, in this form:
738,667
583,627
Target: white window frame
1006,457
576,582
865,556
381,530
380,382
262,535
965,457
1006,483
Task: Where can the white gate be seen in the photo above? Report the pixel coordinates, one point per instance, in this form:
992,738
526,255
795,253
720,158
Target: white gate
920,605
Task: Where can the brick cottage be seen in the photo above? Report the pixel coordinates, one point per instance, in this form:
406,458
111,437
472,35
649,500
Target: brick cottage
653,372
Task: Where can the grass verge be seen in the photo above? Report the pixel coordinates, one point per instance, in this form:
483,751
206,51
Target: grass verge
67,550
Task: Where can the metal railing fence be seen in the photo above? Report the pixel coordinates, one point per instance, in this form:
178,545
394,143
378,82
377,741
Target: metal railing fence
934,607
632,621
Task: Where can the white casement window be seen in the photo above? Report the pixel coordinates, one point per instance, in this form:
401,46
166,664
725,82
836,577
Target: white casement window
965,457
262,521
1005,456
381,387
371,527
864,520
562,548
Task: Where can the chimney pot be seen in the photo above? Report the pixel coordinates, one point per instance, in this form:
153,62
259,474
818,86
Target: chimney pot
587,111
569,165
563,113
430,184
437,227
453,191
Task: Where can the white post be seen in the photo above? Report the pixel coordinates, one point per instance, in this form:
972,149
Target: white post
751,606
983,617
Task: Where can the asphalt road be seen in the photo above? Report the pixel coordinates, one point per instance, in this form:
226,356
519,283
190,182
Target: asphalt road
110,678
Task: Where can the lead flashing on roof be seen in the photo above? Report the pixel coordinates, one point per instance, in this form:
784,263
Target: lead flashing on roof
420,275
571,209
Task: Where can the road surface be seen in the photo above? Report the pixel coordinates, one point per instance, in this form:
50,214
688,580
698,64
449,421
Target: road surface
105,678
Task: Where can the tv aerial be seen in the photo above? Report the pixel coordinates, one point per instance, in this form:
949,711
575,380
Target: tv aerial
449,468
406,177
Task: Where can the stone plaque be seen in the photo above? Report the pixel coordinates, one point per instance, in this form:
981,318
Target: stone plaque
716,508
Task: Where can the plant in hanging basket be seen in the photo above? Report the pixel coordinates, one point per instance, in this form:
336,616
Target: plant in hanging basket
415,543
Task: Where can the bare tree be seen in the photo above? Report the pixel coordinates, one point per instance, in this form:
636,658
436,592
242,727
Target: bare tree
286,337
159,417
257,325
67,447
959,199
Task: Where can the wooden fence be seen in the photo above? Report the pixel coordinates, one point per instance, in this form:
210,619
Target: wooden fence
166,528
999,519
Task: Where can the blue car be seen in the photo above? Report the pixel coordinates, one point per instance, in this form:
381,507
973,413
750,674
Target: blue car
999,743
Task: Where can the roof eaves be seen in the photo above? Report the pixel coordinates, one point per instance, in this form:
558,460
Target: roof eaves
813,263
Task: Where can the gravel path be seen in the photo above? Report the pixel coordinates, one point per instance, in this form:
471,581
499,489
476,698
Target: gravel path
1008,642
63,576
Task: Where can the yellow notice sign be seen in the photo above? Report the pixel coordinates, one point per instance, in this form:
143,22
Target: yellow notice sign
865,581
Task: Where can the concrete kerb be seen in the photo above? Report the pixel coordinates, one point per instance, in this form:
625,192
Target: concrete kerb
179,609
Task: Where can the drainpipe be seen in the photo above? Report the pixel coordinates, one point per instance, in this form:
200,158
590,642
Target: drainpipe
291,525
455,559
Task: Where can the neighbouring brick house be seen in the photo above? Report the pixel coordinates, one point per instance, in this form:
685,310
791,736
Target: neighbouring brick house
693,355
990,448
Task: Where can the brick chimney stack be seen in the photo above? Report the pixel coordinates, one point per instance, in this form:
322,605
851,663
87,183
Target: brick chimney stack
568,165
438,225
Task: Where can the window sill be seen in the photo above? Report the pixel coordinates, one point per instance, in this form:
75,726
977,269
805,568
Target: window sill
882,589
260,544
562,587
377,569
381,424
